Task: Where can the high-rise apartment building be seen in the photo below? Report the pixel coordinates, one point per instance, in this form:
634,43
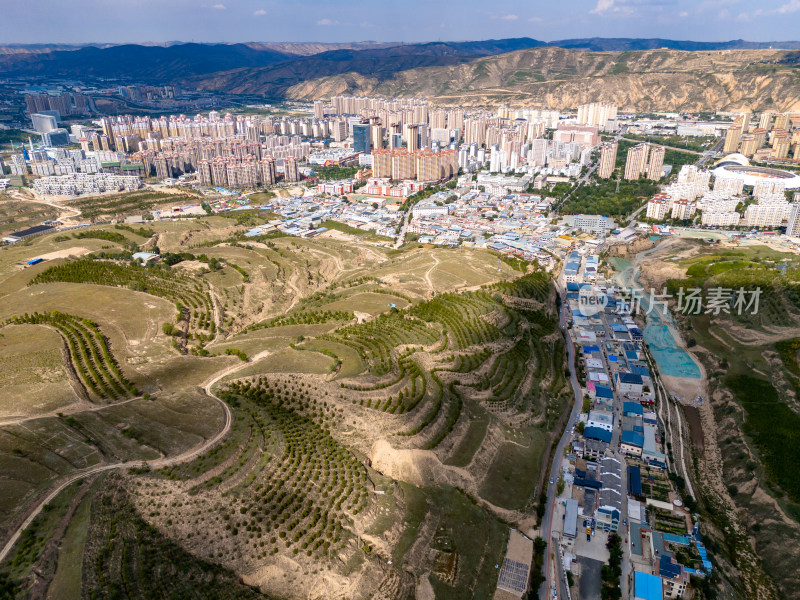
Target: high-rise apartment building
636,161
732,137
291,171
655,164
597,113
608,159
793,221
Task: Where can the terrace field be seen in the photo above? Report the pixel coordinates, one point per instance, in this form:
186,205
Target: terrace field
272,417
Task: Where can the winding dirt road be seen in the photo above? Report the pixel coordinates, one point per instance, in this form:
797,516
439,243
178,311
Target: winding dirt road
162,462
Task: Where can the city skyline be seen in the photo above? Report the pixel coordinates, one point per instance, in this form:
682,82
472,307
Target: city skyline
227,21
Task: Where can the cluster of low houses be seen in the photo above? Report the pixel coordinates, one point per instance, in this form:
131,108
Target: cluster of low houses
612,358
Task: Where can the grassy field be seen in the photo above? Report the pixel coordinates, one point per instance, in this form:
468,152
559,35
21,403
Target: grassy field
512,478
33,374
16,215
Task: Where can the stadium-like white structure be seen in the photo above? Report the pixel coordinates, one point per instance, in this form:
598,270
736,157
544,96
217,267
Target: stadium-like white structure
737,165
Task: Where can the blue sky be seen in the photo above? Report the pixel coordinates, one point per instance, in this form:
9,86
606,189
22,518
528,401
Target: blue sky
76,21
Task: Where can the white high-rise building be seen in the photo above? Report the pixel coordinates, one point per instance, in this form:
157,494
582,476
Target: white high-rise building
793,221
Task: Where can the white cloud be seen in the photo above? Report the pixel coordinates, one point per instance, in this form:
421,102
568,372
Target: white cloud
259,13
505,17
219,7
327,22
602,7
683,14
535,19
790,7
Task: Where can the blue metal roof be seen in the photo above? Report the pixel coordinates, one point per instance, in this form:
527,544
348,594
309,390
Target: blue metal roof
668,569
632,438
589,349
647,586
632,407
603,391
597,433
634,481
631,378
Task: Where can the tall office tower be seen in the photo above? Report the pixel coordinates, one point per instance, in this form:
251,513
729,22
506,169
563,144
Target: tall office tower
424,135
608,159
765,121
43,123
361,138
411,137
376,136
396,141
732,138
319,109
656,163
637,161
339,130
291,172
793,225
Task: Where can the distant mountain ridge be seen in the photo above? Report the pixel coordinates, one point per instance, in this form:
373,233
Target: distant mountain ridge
160,63
649,74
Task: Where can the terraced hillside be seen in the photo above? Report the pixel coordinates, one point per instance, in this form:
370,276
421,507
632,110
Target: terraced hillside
276,417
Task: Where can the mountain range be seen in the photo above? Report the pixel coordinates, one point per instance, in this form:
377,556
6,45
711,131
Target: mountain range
646,74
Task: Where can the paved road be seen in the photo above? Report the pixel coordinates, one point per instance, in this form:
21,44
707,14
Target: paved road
162,462
555,468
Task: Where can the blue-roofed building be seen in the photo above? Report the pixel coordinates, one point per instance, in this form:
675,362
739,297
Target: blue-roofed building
647,586
634,481
673,577
590,349
629,383
631,355
640,370
631,442
636,333
676,540
631,409
572,286
619,328
603,391
597,433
